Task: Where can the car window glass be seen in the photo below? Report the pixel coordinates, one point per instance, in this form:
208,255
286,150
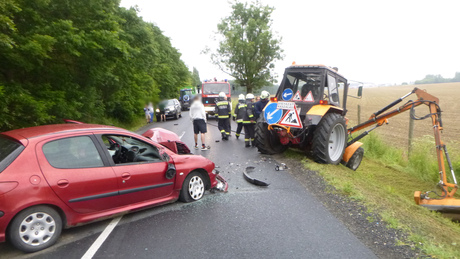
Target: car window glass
75,152
9,150
126,149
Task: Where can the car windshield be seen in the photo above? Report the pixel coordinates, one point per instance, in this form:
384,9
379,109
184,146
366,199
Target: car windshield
215,88
9,150
167,103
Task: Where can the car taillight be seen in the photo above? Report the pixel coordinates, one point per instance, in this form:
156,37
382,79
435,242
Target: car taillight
322,102
7,187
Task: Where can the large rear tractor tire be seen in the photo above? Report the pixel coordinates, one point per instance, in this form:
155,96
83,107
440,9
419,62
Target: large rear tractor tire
330,139
267,142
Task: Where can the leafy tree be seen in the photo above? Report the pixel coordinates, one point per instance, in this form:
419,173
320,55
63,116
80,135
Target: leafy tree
88,60
248,48
195,77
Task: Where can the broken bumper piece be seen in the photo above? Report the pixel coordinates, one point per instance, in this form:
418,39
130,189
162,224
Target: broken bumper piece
222,185
251,179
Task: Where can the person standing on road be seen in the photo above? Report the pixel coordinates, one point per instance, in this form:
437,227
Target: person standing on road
238,115
260,105
198,117
248,121
151,111
224,111
147,114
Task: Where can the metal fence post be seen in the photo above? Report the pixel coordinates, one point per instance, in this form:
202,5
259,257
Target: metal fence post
359,114
411,131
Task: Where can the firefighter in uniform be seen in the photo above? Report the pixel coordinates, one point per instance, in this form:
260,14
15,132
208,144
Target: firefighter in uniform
249,121
238,115
224,111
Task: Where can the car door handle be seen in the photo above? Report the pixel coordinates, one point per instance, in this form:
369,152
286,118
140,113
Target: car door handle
63,183
125,176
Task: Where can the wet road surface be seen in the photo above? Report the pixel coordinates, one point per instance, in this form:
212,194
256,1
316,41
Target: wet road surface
283,220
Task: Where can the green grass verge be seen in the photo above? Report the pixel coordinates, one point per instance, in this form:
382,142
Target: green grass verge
385,183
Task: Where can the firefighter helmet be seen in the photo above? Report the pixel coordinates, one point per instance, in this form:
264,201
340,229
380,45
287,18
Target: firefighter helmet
241,97
222,95
249,96
264,95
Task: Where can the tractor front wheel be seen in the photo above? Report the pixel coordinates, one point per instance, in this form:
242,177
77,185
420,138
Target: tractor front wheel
330,139
267,142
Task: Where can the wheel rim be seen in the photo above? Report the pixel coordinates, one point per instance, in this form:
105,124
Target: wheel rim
196,188
37,228
336,142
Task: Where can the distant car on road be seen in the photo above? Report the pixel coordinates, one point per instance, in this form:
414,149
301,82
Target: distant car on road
171,108
59,176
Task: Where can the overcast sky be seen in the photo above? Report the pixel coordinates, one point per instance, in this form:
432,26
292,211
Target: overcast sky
371,41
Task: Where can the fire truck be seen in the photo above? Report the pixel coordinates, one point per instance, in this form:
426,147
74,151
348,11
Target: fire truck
210,92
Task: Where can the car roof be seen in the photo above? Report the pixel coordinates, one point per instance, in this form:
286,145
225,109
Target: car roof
316,66
38,131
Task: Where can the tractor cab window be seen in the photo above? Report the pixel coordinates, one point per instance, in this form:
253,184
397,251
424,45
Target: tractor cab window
331,92
305,83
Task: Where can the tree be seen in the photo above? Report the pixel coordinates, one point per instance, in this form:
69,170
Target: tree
195,77
248,48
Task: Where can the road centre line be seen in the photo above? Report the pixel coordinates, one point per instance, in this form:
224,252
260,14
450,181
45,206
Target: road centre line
102,237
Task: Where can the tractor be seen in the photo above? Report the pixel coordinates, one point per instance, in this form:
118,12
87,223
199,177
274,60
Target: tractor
308,113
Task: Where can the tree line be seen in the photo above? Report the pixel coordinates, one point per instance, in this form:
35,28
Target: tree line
435,79
86,60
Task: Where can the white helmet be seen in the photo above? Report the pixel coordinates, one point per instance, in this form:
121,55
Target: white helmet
241,97
264,95
222,95
249,96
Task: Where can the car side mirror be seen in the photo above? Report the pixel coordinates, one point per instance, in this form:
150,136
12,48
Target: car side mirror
360,91
171,172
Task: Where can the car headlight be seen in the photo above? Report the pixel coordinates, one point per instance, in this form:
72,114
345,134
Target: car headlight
157,110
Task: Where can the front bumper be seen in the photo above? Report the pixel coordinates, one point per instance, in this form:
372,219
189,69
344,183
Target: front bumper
210,109
219,183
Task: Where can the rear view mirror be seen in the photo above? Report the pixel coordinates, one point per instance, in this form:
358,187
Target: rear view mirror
360,91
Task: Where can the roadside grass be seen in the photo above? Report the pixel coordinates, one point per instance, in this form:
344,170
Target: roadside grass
385,183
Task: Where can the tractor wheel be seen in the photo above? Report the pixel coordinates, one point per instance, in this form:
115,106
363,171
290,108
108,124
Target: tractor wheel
355,159
330,139
266,141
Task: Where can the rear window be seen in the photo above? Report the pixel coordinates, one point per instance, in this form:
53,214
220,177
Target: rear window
9,151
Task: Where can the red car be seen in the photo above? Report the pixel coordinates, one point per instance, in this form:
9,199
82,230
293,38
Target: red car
58,176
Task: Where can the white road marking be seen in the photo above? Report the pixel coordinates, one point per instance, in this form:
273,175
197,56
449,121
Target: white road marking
180,137
100,240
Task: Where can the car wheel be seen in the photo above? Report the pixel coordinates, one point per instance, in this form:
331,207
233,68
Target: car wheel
35,228
193,187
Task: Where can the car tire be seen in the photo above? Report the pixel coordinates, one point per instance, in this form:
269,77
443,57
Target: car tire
193,188
43,223
329,139
175,116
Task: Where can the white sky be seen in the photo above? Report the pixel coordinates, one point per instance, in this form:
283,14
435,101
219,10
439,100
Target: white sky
371,41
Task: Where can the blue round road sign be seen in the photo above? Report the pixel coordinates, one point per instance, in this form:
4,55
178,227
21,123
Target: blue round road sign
287,94
272,115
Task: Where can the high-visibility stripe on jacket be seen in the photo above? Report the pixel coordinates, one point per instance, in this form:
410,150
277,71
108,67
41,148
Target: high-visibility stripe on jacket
224,109
240,110
249,114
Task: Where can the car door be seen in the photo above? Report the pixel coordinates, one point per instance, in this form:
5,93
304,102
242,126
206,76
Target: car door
77,172
141,172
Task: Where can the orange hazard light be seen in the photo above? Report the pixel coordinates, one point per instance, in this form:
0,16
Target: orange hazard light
273,99
322,102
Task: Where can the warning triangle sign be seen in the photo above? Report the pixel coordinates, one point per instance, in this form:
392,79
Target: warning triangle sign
291,119
309,98
297,97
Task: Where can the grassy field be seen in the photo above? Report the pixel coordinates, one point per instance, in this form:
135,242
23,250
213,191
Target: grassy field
387,178
396,132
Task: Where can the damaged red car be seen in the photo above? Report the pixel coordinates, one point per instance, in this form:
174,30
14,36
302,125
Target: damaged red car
58,176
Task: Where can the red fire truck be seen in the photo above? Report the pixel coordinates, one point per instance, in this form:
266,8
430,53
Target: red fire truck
210,92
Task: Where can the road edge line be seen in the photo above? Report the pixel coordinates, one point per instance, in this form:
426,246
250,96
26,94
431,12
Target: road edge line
100,240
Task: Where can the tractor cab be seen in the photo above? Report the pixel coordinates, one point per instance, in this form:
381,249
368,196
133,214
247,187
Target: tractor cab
310,85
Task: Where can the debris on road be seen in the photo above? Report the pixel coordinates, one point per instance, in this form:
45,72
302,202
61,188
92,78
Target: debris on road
217,140
222,186
281,167
253,180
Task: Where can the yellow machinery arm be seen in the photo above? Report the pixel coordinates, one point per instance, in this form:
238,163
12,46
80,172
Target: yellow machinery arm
446,201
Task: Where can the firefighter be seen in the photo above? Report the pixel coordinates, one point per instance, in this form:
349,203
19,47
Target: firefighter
249,121
240,109
260,105
224,111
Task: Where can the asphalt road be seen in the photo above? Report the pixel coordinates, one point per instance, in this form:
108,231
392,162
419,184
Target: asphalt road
283,220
